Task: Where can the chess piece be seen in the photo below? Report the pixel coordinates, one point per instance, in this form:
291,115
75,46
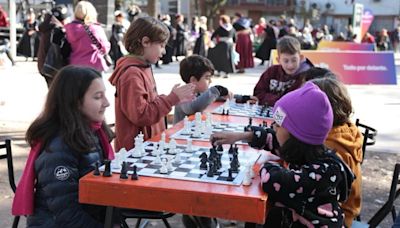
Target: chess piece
164,169
134,174
223,111
157,160
247,177
186,125
230,151
124,171
107,169
169,164
172,147
229,178
178,158
235,164
189,147
96,171
210,172
220,148
203,159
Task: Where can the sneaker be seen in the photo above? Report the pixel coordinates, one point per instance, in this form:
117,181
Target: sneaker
225,76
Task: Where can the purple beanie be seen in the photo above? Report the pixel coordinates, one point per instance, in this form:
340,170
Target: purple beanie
306,113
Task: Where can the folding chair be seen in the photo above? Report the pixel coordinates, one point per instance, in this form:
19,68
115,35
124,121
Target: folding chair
142,214
369,134
8,155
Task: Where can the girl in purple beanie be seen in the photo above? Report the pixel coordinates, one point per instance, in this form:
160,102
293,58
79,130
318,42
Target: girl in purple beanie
306,191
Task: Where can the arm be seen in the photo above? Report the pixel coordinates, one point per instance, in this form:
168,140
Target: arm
136,104
59,191
201,102
262,89
101,36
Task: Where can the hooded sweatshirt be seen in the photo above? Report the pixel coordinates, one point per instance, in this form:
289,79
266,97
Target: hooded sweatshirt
84,52
347,141
138,107
274,83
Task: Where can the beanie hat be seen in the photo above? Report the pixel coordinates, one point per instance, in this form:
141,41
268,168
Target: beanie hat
60,12
306,113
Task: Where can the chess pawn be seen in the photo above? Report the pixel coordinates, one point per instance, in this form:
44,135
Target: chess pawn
189,147
186,125
247,178
178,158
164,169
157,160
209,118
170,167
197,116
163,137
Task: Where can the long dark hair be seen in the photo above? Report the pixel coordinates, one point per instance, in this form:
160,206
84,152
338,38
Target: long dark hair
297,152
61,114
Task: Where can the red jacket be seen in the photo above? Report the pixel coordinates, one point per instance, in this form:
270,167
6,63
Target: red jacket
138,107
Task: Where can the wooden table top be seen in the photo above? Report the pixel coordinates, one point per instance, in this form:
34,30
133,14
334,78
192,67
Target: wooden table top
242,203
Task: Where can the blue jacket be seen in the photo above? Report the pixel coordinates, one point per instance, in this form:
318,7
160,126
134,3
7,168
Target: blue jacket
58,171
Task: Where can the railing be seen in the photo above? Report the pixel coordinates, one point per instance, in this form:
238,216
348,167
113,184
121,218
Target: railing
260,2
5,33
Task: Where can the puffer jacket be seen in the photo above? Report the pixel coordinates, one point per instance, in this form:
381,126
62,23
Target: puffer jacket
58,171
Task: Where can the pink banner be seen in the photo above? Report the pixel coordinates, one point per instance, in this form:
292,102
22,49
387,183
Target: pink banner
366,21
344,46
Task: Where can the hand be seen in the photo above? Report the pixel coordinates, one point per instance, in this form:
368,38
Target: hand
253,99
220,138
185,93
272,143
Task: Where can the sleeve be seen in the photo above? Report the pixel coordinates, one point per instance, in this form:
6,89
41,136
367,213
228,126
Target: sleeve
287,186
262,89
60,180
201,102
135,104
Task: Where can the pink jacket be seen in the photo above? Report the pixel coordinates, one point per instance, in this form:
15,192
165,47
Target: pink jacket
84,52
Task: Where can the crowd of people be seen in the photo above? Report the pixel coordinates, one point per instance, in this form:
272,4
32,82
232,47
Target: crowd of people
316,179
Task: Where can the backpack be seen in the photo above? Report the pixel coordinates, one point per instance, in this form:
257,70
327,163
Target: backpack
58,53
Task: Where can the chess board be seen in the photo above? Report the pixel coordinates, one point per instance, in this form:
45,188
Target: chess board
189,167
248,110
216,127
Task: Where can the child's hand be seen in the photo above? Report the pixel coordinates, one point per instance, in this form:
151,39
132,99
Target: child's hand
268,157
253,99
220,138
185,92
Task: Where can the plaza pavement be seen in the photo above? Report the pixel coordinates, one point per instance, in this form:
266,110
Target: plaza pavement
23,91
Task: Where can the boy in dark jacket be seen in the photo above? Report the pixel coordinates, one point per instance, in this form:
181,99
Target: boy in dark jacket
277,80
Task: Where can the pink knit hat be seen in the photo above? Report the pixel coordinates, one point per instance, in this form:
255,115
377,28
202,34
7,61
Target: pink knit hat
306,113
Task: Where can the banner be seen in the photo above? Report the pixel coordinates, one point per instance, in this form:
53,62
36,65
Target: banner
366,21
358,10
344,46
354,67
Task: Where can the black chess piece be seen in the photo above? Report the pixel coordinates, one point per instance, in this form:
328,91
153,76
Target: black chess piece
107,169
220,148
134,174
203,159
229,178
230,151
234,166
210,172
124,171
223,111
250,121
96,171
227,112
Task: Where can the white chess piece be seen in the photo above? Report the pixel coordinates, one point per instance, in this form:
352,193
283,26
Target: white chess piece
137,150
197,116
226,105
169,164
209,118
163,168
178,158
157,161
172,146
186,125
189,147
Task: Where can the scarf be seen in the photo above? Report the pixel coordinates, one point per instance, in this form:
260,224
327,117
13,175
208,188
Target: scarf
23,203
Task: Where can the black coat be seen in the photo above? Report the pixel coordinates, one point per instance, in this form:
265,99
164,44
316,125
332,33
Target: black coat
56,197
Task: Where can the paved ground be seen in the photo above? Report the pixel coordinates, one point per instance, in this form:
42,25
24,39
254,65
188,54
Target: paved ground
23,90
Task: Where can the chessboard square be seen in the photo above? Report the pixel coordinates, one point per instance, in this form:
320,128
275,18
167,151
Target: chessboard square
217,129
139,165
131,160
194,175
187,166
183,170
194,159
198,171
151,158
153,166
145,161
177,173
148,171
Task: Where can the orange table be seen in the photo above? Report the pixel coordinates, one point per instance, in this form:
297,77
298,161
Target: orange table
242,203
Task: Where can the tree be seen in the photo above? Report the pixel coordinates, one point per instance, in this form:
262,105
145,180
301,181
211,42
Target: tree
211,8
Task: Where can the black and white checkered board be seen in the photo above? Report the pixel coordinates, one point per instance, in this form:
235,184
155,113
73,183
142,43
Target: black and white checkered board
216,127
188,168
248,110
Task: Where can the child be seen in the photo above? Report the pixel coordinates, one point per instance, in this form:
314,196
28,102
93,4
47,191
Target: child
346,140
198,70
138,107
66,140
277,80
307,191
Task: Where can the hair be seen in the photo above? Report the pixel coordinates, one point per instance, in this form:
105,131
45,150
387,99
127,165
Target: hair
317,72
150,27
288,45
225,19
62,115
85,12
338,97
195,65
297,152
